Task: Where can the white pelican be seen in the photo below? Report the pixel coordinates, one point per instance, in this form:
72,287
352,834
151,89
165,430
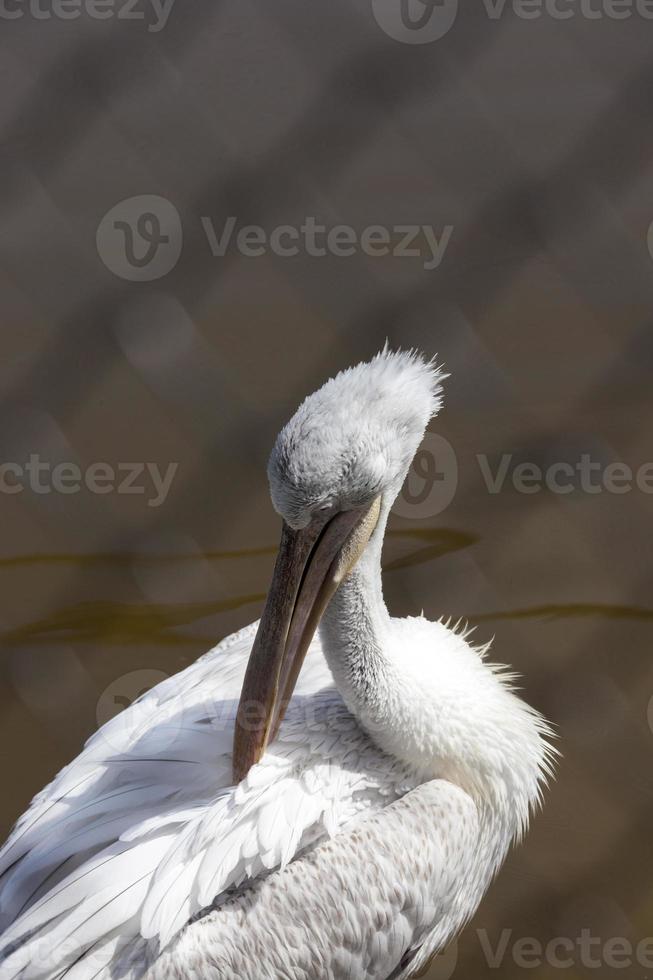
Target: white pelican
351,838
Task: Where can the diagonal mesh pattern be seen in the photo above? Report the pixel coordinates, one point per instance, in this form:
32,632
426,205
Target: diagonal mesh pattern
529,139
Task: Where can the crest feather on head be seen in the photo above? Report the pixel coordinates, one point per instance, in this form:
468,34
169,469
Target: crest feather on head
355,436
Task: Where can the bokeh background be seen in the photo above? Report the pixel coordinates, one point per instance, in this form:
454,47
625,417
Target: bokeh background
533,139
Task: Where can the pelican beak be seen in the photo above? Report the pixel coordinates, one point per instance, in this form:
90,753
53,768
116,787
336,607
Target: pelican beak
311,564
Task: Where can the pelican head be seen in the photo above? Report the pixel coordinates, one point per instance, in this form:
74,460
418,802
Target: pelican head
334,472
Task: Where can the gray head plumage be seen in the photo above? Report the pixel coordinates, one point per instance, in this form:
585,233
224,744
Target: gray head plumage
354,438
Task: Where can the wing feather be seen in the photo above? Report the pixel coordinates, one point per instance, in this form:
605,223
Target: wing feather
364,917
143,830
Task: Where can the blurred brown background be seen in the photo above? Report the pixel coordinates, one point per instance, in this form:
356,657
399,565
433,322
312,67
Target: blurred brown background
533,138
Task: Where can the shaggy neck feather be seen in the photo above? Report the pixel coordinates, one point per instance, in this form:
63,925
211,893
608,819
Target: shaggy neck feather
468,725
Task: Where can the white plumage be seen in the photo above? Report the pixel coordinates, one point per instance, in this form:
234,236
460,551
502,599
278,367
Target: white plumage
369,830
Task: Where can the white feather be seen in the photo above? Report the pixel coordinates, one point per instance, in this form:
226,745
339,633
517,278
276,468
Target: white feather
370,829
